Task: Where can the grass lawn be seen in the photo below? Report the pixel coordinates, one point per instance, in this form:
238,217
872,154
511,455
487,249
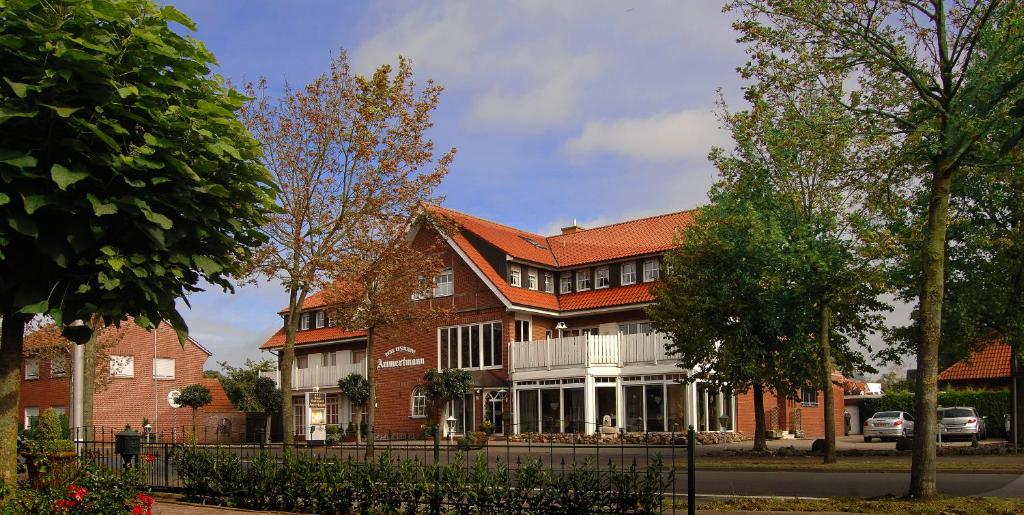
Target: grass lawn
998,464
942,505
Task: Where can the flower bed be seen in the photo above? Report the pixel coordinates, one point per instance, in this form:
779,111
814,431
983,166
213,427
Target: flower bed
90,489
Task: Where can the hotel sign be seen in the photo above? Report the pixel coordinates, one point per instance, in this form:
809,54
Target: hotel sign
401,362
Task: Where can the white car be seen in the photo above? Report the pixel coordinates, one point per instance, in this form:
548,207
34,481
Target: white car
888,425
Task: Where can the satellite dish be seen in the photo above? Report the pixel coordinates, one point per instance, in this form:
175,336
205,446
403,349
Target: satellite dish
172,398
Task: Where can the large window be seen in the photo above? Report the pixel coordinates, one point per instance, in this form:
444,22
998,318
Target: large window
445,284
531,279
582,280
566,280
635,328
628,273
419,404
122,366
58,366
553,406
163,368
651,270
32,368
299,415
31,415
551,411
523,333
528,411
515,275
601,278
471,346
549,282
808,396
655,404
333,403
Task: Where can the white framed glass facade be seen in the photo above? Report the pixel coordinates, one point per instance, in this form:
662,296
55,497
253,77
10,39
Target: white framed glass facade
473,346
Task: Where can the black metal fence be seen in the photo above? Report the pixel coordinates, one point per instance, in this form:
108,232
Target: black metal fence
156,454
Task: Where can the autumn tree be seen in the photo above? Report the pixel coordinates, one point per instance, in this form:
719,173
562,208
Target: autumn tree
385,283
943,80
801,147
126,181
249,391
346,151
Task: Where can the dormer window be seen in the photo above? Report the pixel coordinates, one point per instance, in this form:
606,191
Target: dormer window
566,279
531,279
515,277
628,273
549,282
304,321
601,278
321,319
651,270
582,280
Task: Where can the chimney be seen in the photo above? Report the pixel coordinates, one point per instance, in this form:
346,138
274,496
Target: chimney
572,228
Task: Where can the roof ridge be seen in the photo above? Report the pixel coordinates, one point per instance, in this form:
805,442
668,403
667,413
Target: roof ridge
651,217
499,224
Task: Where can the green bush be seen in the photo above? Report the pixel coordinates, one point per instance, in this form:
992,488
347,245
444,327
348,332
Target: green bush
994,406
312,484
91,489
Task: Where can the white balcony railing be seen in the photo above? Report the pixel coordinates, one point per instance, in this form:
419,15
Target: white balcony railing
586,351
318,375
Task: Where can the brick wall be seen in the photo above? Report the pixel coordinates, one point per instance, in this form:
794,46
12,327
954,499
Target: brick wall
46,391
812,419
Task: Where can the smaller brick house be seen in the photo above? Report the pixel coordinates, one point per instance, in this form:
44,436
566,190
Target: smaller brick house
985,369
141,368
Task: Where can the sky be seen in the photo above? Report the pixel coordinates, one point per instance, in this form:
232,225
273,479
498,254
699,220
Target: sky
594,111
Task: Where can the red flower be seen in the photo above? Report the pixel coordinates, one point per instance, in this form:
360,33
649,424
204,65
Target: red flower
65,504
136,510
147,500
77,492
150,458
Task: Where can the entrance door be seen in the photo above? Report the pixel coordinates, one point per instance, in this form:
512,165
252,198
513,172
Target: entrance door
494,409
462,410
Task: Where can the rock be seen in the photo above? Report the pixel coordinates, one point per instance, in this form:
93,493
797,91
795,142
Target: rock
819,445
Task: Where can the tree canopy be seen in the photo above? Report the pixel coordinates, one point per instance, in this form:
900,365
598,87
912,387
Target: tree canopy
247,390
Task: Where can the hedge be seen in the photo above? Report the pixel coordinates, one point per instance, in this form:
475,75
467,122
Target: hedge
312,484
993,405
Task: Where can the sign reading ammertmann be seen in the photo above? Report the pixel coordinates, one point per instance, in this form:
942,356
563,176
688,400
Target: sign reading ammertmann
403,362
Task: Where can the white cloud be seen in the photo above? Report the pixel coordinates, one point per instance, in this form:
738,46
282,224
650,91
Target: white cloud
687,134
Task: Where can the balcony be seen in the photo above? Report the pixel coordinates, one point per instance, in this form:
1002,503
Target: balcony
586,351
316,375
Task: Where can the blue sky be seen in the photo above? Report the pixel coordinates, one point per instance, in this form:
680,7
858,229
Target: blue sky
598,111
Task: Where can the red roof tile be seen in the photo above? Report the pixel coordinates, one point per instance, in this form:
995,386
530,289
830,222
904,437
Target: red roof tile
219,398
313,301
521,296
621,240
991,362
605,297
324,334
512,241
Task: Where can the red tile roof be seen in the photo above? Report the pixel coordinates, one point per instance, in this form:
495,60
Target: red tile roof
324,334
512,241
624,295
219,398
521,296
991,362
313,301
621,240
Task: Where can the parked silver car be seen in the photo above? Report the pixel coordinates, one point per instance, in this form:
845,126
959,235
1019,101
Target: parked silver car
961,422
888,425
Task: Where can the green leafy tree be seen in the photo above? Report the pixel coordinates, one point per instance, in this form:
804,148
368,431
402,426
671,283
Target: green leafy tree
195,396
444,386
250,392
357,389
730,306
127,181
943,80
802,148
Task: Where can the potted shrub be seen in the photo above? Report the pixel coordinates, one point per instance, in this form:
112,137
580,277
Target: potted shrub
487,427
48,449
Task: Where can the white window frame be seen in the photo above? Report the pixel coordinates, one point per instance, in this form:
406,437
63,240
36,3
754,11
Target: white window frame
465,362
549,282
602,273
62,369
583,279
515,276
652,273
304,321
27,422
122,366
32,368
299,359
565,278
321,319
531,278
164,360
419,404
444,286
628,273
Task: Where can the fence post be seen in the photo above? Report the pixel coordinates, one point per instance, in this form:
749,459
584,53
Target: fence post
691,469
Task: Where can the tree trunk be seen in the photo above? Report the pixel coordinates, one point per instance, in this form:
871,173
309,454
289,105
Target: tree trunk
89,384
760,430
296,297
359,426
371,403
1016,435
922,468
12,338
825,316
267,427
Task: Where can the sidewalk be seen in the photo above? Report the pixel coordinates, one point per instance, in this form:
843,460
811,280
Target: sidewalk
167,504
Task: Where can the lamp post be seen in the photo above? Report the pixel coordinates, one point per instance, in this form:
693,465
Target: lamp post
561,327
451,428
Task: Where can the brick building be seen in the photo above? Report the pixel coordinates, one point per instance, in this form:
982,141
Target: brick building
985,369
141,368
552,329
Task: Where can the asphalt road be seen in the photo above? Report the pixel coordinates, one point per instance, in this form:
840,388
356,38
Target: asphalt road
847,484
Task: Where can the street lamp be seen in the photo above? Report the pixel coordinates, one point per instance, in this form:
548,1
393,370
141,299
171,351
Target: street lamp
451,427
561,327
